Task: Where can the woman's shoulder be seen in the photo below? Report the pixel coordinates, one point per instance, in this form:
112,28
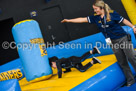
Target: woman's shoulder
112,11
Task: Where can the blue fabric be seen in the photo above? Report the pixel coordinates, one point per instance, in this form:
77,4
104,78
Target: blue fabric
109,79
14,65
113,29
10,85
131,88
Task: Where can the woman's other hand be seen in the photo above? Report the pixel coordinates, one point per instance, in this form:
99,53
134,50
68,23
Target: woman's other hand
65,20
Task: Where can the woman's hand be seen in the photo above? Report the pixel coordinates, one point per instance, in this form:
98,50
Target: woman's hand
65,20
134,29
76,20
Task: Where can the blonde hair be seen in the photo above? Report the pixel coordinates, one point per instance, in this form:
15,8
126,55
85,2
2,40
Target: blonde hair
103,5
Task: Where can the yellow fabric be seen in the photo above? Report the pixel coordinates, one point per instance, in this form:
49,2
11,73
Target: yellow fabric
70,79
130,6
41,78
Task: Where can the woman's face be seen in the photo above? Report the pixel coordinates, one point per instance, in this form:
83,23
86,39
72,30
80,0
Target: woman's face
97,10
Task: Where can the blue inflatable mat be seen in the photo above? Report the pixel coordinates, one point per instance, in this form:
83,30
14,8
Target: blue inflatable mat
108,80
15,64
131,88
12,70
10,85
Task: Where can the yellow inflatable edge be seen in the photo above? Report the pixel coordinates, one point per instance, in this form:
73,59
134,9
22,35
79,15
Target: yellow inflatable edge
40,79
23,21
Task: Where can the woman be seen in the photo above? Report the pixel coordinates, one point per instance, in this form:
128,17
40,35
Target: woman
74,62
108,22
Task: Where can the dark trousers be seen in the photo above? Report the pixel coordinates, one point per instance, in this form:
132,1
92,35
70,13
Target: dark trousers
79,65
82,68
124,53
76,62
76,59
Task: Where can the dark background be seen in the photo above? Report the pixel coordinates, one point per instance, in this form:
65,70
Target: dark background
48,16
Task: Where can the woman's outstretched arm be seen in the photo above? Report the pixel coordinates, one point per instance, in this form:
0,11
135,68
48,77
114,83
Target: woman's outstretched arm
76,20
126,22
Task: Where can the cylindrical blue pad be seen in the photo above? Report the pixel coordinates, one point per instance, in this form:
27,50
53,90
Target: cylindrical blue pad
31,49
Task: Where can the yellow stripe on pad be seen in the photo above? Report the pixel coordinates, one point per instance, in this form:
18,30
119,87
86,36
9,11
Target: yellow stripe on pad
23,21
70,79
